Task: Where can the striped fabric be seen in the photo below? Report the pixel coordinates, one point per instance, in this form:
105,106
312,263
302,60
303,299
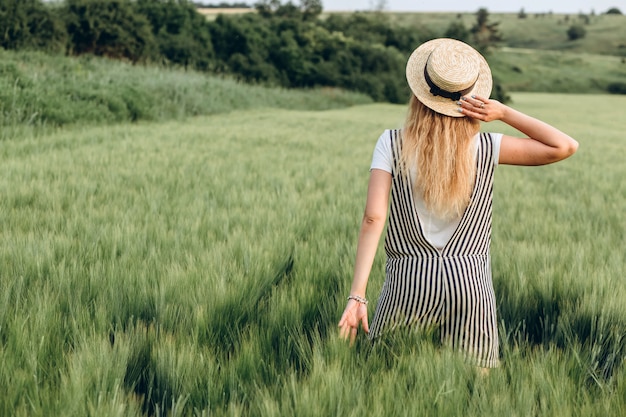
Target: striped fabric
449,288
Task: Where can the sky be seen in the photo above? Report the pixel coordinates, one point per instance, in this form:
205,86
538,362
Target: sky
493,6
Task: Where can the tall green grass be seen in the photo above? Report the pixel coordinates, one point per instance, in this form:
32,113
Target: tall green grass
200,267
38,90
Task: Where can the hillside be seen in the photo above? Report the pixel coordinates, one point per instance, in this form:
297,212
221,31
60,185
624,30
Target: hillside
605,34
38,89
535,54
364,52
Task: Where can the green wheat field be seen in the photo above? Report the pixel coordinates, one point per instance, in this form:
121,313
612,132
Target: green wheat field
199,267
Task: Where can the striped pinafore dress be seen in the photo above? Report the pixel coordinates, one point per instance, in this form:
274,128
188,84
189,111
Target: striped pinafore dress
449,288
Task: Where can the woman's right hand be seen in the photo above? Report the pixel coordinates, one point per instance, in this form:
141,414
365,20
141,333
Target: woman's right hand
354,314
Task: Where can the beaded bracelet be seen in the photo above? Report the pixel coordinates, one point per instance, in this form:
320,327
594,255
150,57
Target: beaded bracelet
357,299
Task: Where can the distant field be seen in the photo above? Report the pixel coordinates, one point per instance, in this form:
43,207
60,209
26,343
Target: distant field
199,267
536,70
210,11
605,34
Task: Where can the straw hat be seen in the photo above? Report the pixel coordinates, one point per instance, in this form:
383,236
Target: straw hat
440,71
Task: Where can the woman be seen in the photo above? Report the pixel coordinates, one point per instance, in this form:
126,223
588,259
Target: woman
436,176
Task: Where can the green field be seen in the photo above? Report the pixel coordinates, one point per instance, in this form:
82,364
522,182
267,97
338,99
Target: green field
541,31
199,267
535,54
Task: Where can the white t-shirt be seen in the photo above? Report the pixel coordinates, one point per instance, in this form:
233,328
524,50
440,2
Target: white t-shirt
437,230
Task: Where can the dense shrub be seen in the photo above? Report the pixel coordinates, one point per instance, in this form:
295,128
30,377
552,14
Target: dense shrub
283,45
181,34
576,32
246,45
485,33
109,28
377,29
30,24
457,30
295,52
617,88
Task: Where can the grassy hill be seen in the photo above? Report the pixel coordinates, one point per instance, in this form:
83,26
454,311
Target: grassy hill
536,55
37,90
605,34
533,70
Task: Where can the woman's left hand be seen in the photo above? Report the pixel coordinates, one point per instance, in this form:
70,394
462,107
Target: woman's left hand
354,314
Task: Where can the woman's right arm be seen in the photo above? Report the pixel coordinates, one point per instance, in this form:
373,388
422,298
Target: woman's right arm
372,226
545,144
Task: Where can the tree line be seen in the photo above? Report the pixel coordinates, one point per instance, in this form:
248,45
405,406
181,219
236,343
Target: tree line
285,45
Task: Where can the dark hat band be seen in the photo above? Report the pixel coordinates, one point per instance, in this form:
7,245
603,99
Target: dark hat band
437,91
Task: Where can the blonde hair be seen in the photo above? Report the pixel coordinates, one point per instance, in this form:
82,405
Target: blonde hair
442,150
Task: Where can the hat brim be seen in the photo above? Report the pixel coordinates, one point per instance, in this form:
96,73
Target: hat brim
415,77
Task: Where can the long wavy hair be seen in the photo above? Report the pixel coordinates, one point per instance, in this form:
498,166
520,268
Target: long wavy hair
440,152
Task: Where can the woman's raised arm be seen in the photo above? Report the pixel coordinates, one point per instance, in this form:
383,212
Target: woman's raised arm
543,145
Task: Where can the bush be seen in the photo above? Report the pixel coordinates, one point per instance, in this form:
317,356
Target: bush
181,33
457,30
617,88
109,28
359,52
576,32
30,24
377,29
498,92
